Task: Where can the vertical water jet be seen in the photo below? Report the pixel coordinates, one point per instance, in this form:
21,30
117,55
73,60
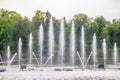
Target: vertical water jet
83,53
72,45
30,49
41,37
115,55
19,50
62,43
94,50
51,41
104,52
8,56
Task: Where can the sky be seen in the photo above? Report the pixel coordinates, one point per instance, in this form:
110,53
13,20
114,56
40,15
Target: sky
110,9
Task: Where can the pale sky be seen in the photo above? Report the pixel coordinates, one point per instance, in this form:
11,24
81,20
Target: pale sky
110,9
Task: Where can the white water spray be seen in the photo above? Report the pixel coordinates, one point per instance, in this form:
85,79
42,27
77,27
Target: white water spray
19,50
62,42
83,53
51,40
41,37
30,49
94,50
104,51
72,45
115,55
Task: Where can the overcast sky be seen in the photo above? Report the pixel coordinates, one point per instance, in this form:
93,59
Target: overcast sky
110,9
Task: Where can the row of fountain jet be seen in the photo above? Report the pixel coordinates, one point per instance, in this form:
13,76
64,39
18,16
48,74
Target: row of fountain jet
82,55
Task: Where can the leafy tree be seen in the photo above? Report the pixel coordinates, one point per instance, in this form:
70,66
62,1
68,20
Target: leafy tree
101,23
91,29
38,18
114,32
6,32
80,20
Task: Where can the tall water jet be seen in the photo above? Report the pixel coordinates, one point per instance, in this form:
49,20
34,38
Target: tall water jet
72,45
41,37
51,40
62,42
30,49
94,50
19,50
104,52
83,53
8,56
115,55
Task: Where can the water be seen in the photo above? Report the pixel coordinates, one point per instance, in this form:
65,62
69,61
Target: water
84,60
104,51
51,40
36,58
19,50
8,56
46,73
115,55
41,37
83,53
62,42
72,45
30,49
10,62
94,50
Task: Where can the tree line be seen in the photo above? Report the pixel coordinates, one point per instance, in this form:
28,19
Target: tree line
13,25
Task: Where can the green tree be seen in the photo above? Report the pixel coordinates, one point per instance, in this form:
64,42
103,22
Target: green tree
6,29
91,29
101,23
80,20
6,33
114,32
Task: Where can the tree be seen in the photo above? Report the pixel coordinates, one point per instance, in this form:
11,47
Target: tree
6,33
91,29
38,18
114,32
80,20
101,23
6,29
13,26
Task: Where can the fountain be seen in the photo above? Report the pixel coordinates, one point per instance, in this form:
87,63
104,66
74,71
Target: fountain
104,52
115,55
60,73
72,45
41,37
51,41
83,54
62,43
30,49
12,59
20,50
8,56
94,50
35,58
